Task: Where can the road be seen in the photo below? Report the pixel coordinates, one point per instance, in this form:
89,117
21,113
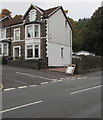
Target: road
56,95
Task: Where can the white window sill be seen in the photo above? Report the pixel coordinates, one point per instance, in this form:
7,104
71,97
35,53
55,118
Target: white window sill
31,58
17,40
33,38
2,38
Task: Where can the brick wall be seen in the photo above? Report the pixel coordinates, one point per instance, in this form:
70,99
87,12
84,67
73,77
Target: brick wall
36,64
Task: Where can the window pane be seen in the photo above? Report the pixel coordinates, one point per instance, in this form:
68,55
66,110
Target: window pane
36,31
29,51
16,34
61,52
16,52
0,49
36,51
3,34
5,49
29,31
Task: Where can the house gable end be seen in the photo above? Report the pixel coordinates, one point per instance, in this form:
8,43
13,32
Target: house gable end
37,13
55,10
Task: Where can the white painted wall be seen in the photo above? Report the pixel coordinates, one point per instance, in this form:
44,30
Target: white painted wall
54,54
58,36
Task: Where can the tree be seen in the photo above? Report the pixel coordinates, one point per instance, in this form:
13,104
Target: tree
92,35
17,16
5,12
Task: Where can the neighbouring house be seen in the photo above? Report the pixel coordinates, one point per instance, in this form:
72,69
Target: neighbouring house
38,35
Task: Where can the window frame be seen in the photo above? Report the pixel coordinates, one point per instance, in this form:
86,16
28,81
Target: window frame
33,48
33,26
2,32
15,32
27,51
14,51
2,49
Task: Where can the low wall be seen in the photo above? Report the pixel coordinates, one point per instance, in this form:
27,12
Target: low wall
36,64
86,64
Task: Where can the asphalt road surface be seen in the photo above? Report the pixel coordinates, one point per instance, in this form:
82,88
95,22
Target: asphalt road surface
43,94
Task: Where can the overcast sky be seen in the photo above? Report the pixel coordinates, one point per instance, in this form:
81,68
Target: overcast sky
76,9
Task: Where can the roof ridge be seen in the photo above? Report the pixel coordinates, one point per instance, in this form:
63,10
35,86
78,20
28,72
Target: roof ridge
52,8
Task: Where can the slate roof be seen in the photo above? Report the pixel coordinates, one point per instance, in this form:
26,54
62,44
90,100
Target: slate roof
12,21
19,19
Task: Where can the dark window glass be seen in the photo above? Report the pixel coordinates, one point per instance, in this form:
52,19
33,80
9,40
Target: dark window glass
29,51
36,51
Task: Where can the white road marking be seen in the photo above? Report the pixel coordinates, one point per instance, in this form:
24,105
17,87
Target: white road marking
62,78
54,79
59,80
84,77
79,78
9,89
21,106
25,74
44,83
33,76
22,87
73,79
83,90
32,85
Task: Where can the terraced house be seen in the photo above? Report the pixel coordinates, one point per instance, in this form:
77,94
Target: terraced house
44,35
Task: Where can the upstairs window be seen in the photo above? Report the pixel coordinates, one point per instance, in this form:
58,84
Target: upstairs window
17,34
32,15
2,33
32,31
36,31
29,31
66,23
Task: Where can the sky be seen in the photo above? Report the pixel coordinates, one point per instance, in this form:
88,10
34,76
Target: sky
76,9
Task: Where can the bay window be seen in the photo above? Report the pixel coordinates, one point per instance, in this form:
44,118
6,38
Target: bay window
29,51
36,49
32,51
0,49
29,31
32,31
36,31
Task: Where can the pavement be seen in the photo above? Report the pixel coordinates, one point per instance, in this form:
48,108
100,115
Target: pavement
58,69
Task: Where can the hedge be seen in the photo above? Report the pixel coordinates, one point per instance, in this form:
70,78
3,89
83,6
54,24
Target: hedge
87,63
